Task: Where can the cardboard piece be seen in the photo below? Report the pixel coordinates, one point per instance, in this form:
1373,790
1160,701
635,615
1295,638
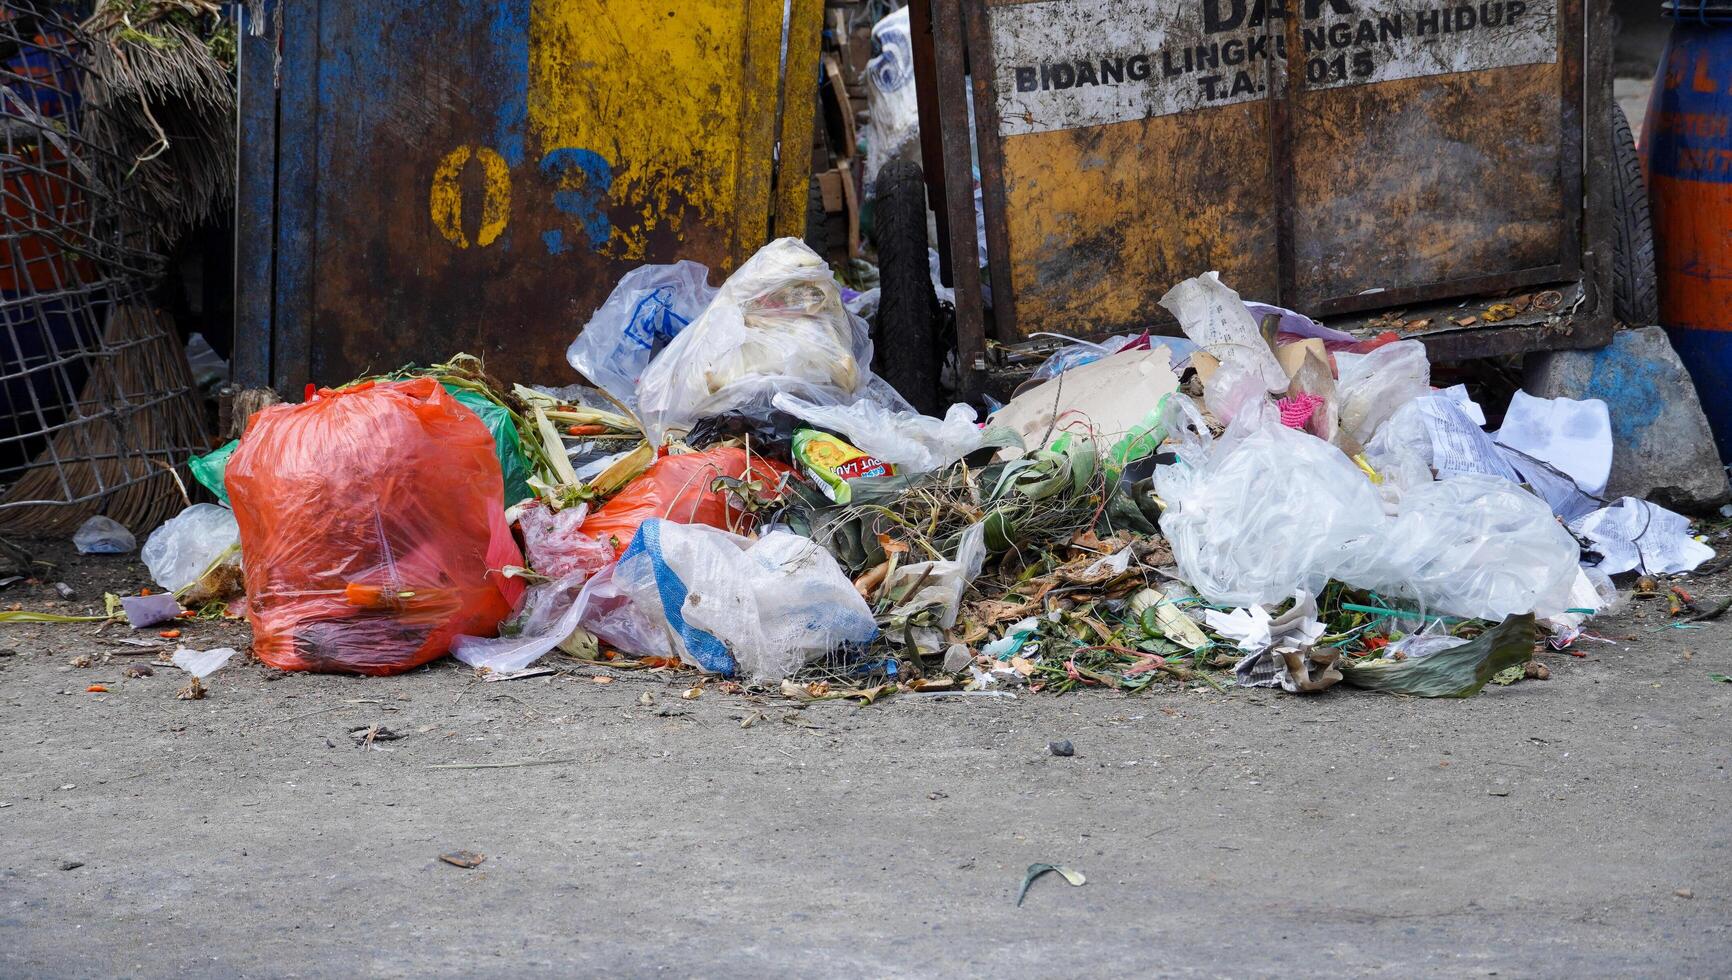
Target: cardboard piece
1105,399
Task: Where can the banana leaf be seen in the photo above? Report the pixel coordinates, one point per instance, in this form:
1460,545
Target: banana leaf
1459,672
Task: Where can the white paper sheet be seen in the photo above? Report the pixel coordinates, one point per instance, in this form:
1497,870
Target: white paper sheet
1635,534
1573,436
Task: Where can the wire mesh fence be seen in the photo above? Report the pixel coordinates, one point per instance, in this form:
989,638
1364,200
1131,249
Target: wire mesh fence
98,403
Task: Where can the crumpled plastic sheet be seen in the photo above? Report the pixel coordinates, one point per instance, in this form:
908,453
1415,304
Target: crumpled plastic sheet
551,612
940,587
912,442
759,609
184,547
103,536
1475,546
1265,511
1213,315
1471,545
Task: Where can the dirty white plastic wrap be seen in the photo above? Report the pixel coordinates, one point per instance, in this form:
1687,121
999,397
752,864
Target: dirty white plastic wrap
643,314
1372,386
187,544
893,117
777,325
914,443
755,609
1266,511
1474,546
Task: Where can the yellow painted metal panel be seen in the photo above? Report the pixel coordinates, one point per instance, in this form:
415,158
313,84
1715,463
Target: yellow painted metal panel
678,101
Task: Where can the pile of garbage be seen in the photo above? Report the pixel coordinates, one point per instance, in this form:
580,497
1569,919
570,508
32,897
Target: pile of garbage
1262,502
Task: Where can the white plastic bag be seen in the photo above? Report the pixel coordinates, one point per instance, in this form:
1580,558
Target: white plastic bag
759,609
1266,511
777,324
1372,386
1474,546
914,443
186,545
648,308
893,118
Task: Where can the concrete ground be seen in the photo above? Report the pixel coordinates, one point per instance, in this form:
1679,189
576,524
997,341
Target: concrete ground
1574,827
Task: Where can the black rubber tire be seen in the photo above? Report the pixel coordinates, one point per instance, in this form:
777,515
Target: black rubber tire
825,235
908,354
1635,296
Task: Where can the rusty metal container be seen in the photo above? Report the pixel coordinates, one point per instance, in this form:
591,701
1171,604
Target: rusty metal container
419,179
1355,159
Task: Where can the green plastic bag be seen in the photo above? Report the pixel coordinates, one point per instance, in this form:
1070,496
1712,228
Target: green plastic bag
512,463
208,469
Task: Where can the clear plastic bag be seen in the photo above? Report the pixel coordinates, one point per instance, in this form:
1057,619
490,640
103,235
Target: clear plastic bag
550,614
556,547
179,552
1266,511
648,308
777,324
758,609
103,536
911,442
1474,546
1372,386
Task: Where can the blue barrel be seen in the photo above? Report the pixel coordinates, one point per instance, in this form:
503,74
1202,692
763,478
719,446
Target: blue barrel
1687,142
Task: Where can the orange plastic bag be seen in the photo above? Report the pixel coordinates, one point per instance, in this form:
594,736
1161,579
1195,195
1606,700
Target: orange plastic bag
372,529
677,488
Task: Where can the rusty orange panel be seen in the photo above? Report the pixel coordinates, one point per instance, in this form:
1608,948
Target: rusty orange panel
1100,219
1427,180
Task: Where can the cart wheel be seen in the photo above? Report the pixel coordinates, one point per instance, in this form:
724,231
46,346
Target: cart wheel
1635,298
907,349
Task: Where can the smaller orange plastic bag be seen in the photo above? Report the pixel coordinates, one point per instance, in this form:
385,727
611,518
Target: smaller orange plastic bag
678,489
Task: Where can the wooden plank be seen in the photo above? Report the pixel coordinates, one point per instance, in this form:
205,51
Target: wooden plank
839,95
